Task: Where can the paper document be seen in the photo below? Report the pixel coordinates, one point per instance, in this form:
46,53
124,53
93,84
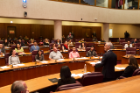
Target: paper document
44,61
120,68
4,67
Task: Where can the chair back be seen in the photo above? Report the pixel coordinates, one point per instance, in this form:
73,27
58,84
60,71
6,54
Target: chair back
34,53
137,45
87,49
51,46
77,44
13,46
136,72
6,58
69,86
92,78
131,50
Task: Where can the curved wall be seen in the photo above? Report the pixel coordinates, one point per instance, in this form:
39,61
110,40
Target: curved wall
45,9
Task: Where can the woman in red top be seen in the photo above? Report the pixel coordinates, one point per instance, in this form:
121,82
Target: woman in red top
66,47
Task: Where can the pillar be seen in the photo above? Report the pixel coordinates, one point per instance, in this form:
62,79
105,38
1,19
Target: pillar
58,29
106,31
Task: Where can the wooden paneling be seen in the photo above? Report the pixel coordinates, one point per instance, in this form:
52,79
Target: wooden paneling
47,31
81,32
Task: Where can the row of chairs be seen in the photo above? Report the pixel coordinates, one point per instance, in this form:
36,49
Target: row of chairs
87,79
90,79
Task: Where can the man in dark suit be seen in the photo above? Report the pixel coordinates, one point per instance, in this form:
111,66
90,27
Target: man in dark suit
108,63
134,41
2,49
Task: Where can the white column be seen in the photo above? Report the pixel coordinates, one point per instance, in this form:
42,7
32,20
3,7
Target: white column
106,32
57,29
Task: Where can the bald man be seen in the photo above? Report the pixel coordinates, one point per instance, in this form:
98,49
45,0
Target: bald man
2,49
55,54
19,87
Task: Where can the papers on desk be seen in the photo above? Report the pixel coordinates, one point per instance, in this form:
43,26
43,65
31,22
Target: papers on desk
80,75
44,61
4,67
120,68
60,59
95,62
18,65
96,57
74,75
82,58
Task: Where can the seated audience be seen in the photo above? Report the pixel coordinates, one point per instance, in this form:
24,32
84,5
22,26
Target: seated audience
31,41
19,49
128,45
103,40
39,56
26,38
20,42
2,49
65,76
69,36
134,41
58,42
83,46
11,42
46,42
94,39
35,47
19,87
63,38
54,45
65,47
91,52
6,43
70,42
74,53
55,54
82,40
133,65
13,58
41,42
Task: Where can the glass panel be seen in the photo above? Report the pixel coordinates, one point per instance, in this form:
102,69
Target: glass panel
89,2
102,3
118,4
131,4
110,33
72,1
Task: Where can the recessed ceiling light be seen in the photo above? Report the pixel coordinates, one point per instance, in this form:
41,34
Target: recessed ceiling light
11,21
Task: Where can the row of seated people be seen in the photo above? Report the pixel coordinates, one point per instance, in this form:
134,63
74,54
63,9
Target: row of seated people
133,44
54,55
67,79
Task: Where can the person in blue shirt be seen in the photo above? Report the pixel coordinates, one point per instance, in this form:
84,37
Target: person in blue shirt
35,47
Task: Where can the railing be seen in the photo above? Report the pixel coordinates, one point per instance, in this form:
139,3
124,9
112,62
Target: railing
116,4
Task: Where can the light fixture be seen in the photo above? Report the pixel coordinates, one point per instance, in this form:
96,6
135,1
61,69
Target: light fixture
11,21
24,3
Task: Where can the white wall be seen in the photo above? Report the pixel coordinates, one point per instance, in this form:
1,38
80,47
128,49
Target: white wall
45,9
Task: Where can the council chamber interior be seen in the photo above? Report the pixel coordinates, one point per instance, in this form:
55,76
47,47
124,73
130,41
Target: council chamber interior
74,46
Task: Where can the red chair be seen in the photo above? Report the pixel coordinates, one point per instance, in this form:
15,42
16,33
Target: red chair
131,50
13,46
77,45
69,86
92,78
137,45
136,72
90,44
6,58
34,53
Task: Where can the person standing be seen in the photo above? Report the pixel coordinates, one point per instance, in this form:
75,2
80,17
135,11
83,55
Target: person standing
108,63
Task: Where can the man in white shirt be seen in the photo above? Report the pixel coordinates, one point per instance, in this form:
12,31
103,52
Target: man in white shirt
55,54
128,45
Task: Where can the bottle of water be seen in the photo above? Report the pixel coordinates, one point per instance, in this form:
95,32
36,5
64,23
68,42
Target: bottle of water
85,69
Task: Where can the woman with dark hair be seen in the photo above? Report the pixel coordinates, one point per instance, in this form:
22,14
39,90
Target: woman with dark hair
65,75
83,46
6,42
19,49
133,65
13,58
39,56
